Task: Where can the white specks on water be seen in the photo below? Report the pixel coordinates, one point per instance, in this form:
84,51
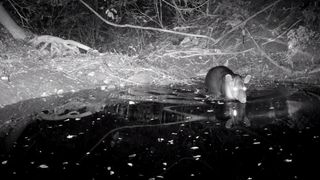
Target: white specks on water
160,139
132,155
210,110
112,173
288,160
259,164
165,164
4,162
43,166
270,148
256,142
131,102
170,141
249,178
130,164
77,119
71,136
174,133
197,157
194,148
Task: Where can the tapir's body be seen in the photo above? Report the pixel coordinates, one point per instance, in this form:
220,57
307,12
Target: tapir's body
222,82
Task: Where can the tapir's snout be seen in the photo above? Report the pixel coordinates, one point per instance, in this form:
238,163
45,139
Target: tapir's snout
242,97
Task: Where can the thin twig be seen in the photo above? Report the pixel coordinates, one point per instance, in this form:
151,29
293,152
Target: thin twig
145,28
204,53
245,21
271,40
266,55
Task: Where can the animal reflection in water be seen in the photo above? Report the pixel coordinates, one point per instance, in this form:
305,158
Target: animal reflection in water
255,114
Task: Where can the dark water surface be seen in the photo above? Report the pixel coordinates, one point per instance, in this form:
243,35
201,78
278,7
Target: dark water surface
275,135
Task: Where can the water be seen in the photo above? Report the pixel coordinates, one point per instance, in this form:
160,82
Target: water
273,136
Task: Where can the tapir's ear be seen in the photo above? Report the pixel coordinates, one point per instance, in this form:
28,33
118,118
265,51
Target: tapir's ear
246,79
228,78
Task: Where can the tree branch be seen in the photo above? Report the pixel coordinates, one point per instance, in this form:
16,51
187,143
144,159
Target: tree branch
145,28
245,21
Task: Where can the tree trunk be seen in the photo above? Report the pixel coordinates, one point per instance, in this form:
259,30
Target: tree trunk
16,31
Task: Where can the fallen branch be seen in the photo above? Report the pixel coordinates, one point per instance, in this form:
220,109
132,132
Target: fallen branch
201,52
266,55
245,21
145,28
58,45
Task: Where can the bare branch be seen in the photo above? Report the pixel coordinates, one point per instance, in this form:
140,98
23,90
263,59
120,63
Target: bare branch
245,21
145,28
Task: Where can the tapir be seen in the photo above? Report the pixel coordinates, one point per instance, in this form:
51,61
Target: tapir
220,81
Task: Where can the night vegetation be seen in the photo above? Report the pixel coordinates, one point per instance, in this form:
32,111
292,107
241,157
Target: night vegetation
118,43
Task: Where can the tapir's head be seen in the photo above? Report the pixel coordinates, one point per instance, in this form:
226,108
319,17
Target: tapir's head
235,87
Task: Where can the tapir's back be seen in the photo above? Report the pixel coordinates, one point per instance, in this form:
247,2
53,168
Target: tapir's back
221,81
215,80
